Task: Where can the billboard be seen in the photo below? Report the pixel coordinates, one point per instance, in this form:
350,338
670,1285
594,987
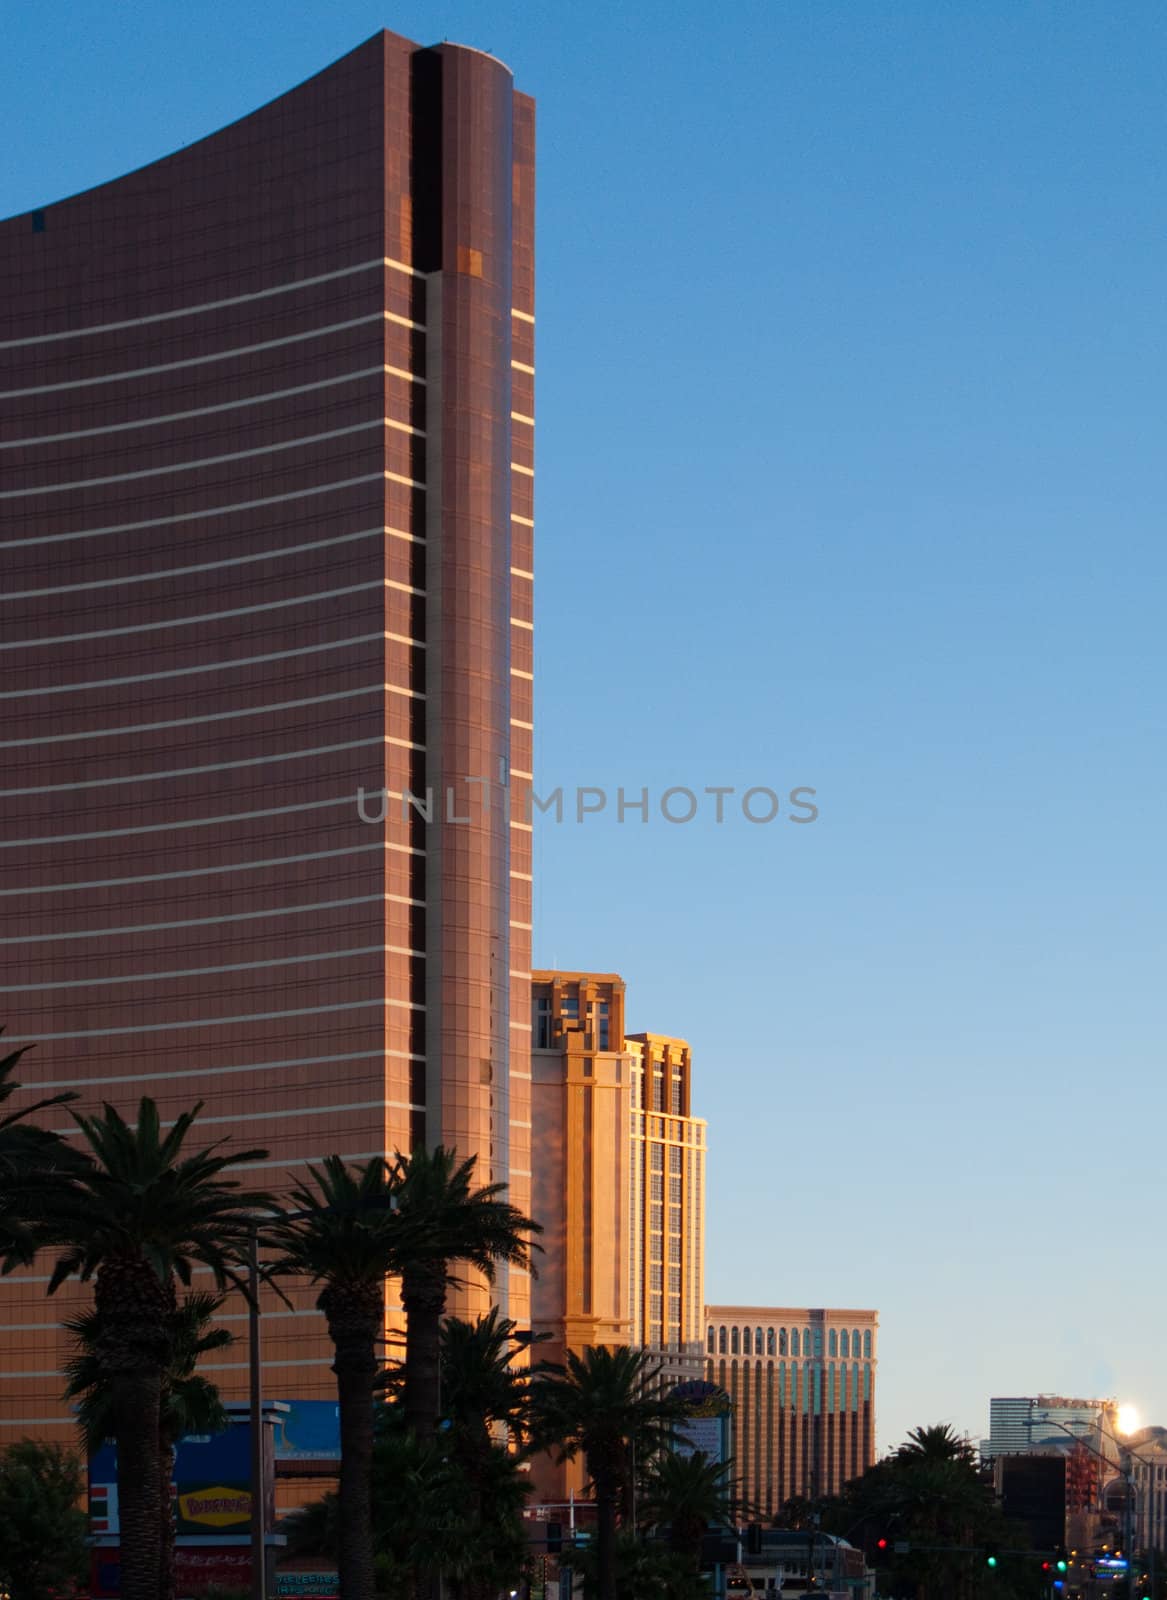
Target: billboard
308,1431
212,1485
706,1425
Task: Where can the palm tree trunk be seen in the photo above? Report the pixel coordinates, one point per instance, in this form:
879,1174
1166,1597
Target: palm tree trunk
167,1589
356,1372
423,1294
606,1497
135,1407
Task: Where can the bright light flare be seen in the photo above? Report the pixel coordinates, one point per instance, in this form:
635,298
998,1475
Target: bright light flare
1128,1419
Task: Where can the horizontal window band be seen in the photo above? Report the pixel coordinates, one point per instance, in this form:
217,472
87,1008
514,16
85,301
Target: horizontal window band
273,1116
521,366
278,553
528,472
130,374
382,1002
191,722
210,411
206,616
209,872
195,516
171,827
38,1422
518,416
202,666
517,622
239,1366
526,522
523,316
206,972
529,726
517,772
521,572
214,922
210,305
517,672
525,876
196,465
222,1072
523,827
191,772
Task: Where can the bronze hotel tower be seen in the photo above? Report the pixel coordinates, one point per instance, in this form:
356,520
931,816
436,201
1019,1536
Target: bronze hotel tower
266,513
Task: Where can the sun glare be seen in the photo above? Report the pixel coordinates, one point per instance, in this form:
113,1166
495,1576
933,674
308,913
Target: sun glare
1128,1419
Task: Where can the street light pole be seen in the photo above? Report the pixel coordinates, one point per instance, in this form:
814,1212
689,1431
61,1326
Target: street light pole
1126,1455
255,1397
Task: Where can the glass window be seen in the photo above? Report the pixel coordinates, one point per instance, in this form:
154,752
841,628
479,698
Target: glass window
855,1341
782,1349
818,1342
867,1344
571,1007
794,1342
746,1343
833,1342
758,1342
844,1344
867,1383
543,1023
806,1341
721,1340
709,1339
735,1344
770,1342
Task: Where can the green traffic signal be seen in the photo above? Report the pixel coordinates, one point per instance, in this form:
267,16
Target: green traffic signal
1063,1566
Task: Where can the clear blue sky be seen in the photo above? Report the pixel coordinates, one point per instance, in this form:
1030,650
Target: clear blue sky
851,391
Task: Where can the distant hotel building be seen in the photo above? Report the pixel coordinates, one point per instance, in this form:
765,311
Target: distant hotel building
802,1384
265,538
619,1176
1020,1424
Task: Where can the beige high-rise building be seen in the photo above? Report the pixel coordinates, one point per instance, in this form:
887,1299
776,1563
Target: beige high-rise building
618,1177
802,1383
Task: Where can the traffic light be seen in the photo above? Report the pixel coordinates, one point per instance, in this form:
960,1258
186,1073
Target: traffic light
991,1554
1060,1559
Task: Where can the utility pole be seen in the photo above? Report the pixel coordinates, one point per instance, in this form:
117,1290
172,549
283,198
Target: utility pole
255,1409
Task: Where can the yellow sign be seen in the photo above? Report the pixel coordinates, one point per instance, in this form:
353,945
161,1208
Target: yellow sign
216,1508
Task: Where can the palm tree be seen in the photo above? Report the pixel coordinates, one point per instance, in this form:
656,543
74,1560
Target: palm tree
444,1219
135,1220
189,1403
480,1384
609,1404
934,1445
31,1161
688,1494
341,1233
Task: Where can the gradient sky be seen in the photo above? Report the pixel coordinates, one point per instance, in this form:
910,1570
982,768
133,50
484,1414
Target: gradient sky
851,389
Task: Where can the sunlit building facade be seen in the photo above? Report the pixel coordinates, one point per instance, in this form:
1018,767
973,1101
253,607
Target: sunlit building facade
266,523
802,1382
619,1176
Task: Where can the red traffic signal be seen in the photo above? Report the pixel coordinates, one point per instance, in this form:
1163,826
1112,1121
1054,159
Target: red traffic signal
881,1544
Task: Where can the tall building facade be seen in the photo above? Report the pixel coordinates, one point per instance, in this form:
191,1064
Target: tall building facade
802,1383
266,530
1019,1424
619,1179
